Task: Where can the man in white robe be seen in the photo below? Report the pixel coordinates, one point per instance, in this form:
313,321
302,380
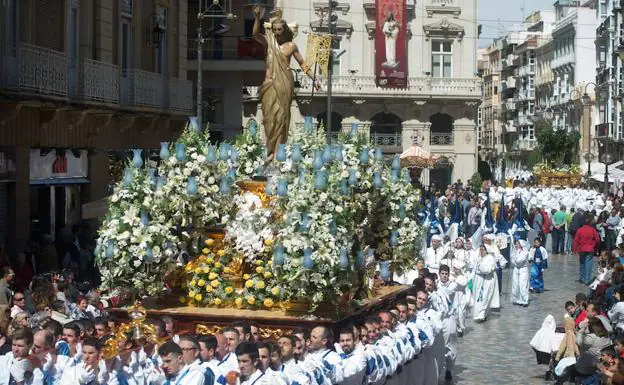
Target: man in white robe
434,254
485,286
520,274
290,366
319,357
91,369
353,361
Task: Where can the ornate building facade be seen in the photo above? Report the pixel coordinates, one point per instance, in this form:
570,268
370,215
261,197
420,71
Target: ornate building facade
77,80
438,105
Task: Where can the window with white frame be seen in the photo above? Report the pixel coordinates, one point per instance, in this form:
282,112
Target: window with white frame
442,58
336,43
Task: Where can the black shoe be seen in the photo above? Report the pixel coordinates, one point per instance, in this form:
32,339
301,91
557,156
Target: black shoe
525,305
448,376
460,334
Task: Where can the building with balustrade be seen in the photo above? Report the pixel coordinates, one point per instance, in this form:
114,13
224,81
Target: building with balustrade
79,79
438,106
609,76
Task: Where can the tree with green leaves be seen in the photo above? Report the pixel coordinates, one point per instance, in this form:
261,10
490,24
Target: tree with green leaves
558,147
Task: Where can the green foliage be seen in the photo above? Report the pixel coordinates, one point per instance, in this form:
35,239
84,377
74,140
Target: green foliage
556,146
475,182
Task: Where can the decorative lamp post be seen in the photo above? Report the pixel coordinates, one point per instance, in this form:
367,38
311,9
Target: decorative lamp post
607,150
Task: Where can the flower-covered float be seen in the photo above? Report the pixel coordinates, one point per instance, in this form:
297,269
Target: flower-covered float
547,175
198,224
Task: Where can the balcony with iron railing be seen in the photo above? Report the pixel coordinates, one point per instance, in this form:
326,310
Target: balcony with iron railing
451,88
603,130
388,142
228,53
33,71
442,139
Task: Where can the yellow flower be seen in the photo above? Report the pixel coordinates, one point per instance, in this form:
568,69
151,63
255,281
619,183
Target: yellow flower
205,250
229,290
209,260
198,270
251,300
212,276
192,283
218,265
275,290
259,269
206,270
268,303
188,267
191,293
249,284
215,283
201,283
198,297
267,274
268,242
227,270
221,252
217,301
202,258
245,276
238,301
259,262
182,299
260,285
208,289
209,242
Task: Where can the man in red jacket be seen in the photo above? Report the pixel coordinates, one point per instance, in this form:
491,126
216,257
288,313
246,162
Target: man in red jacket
586,242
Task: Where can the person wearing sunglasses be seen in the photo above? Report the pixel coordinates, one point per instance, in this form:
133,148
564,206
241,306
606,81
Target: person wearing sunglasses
19,304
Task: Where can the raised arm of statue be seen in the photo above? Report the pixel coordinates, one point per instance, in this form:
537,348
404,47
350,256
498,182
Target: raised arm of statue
258,28
306,69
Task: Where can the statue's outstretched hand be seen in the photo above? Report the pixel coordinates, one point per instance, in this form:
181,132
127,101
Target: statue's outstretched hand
258,12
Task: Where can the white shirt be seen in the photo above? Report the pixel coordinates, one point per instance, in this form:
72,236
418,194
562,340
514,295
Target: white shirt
354,365
9,364
616,315
78,375
295,372
329,362
433,258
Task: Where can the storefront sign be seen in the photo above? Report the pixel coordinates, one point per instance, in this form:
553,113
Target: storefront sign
52,164
391,43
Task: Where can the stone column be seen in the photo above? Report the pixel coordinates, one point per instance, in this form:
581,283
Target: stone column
19,202
465,147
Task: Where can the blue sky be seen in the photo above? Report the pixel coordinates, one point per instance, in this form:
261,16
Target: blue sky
498,15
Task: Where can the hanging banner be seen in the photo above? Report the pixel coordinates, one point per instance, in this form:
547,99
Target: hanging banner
52,164
391,43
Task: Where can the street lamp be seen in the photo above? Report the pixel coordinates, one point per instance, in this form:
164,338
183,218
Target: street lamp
607,149
586,101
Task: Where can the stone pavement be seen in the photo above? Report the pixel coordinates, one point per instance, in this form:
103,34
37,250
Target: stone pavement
498,351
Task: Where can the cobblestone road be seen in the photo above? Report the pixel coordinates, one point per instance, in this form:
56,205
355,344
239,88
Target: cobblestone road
498,352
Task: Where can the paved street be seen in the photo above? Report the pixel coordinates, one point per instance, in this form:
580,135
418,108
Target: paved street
498,352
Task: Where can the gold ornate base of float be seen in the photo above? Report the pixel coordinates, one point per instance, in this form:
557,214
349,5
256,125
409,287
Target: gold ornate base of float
283,319
558,179
255,187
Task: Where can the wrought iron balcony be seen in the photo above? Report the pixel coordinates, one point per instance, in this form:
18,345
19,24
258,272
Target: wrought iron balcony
35,70
388,142
441,139
180,95
98,81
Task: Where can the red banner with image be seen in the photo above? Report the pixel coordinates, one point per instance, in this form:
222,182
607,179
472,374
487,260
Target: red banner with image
391,43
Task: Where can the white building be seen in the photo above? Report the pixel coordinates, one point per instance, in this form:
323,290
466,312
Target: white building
439,105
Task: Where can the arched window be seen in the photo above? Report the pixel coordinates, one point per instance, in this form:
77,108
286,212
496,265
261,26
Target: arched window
441,129
336,121
385,131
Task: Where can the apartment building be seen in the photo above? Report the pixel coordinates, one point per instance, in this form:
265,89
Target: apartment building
78,80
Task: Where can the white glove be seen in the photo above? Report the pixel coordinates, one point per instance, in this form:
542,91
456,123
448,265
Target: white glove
156,377
86,376
48,363
103,375
19,368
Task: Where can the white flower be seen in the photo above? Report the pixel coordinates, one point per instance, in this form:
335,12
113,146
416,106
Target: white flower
124,235
338,209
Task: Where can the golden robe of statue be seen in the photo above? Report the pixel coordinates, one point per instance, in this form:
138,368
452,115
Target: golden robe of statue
276,95
277,90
